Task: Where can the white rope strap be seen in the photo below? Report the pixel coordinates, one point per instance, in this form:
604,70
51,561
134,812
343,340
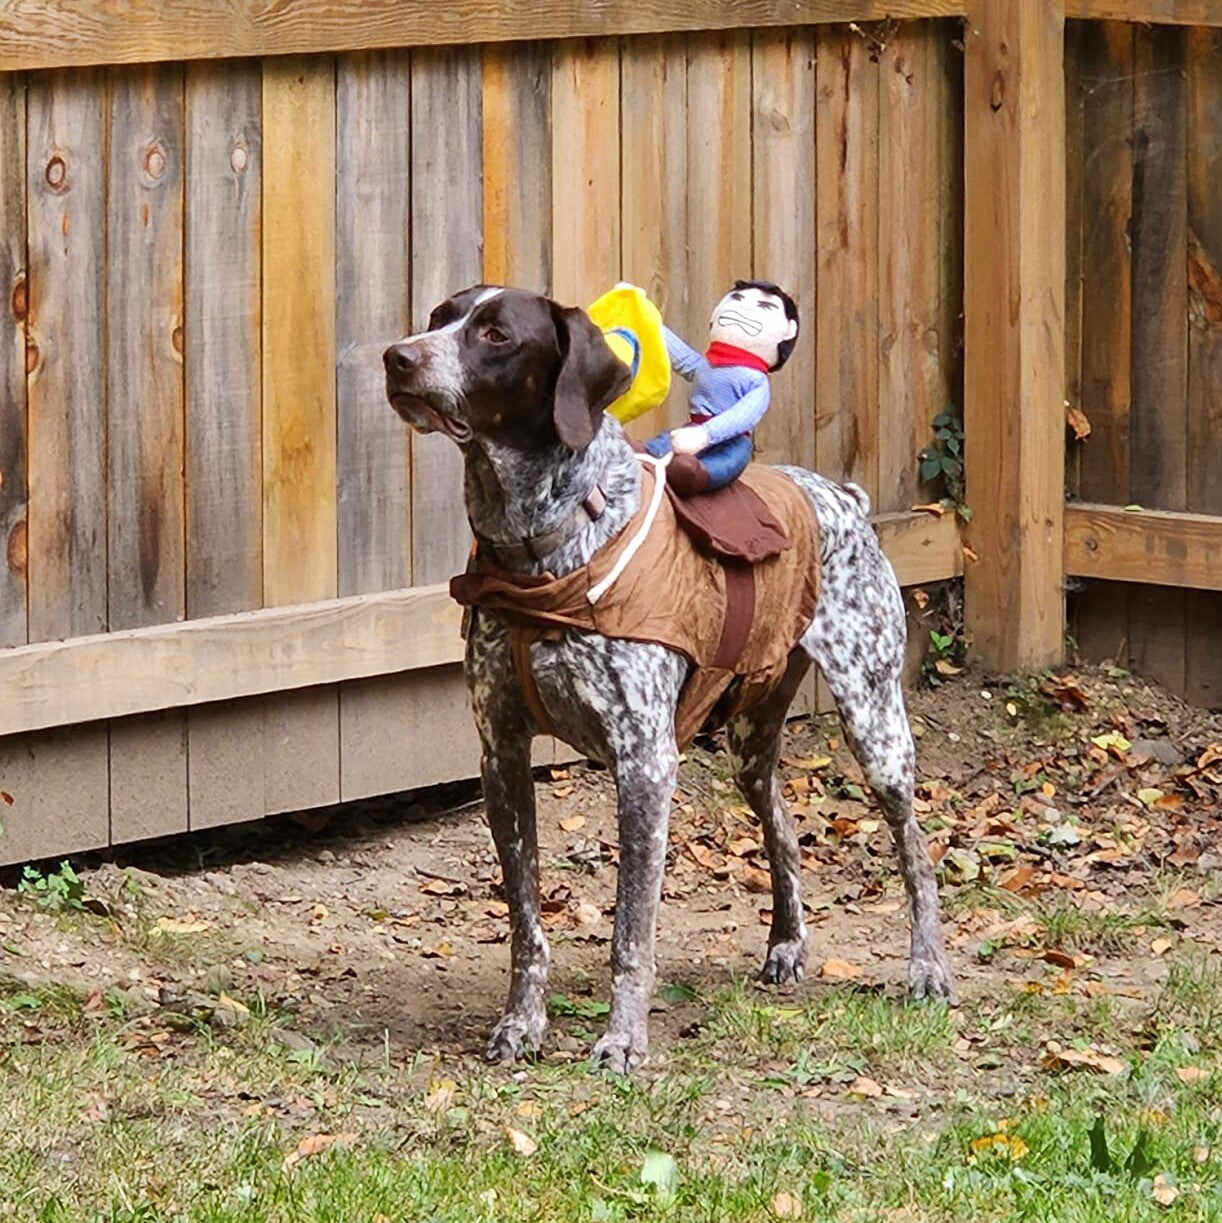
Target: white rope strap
596,592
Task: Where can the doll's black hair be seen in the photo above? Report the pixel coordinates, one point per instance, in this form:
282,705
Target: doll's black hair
785,347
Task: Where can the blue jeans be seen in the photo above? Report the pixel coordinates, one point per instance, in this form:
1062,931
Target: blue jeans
724,461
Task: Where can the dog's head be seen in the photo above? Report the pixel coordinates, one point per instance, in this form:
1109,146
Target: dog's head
505,365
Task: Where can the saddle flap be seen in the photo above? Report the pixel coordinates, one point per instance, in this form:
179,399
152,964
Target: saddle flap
733,523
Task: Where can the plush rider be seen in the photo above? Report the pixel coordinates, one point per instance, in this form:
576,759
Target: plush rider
752,331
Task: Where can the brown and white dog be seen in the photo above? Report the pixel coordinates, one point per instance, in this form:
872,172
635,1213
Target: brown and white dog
520,384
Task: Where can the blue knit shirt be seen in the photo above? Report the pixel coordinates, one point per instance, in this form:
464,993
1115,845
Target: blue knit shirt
734,396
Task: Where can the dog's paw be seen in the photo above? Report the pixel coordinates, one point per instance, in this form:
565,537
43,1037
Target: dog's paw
786,962
619,1052
929,978
515,1035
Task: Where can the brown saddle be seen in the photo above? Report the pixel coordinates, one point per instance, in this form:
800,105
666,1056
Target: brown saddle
733,523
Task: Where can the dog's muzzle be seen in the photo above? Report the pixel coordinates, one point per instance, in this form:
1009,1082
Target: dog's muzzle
404,363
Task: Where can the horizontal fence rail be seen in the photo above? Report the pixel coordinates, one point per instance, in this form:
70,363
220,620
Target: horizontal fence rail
38,34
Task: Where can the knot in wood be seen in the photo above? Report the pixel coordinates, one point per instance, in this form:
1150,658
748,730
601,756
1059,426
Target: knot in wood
19,300
998,93
238,157
57,173
155,160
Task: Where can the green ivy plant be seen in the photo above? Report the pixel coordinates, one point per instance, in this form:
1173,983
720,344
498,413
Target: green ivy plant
941,462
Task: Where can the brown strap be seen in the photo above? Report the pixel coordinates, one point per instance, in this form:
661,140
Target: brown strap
536,548
520,639
740,611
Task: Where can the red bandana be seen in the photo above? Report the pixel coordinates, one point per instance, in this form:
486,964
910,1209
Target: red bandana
728,354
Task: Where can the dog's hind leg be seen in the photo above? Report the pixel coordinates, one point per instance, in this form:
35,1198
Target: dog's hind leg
755,742
857,639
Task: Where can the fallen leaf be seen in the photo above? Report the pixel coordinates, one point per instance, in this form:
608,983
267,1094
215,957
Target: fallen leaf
442,887
524,1144
315,1143
1061,959
1078,421
705,856
588,914
920,597
174,925
930,507
1183,898
756,880
440,1095
833,969
944,666
319,914
1191,1074
1011,1144
1148,796
866,1088
786,1206
573,822
529,1108
1112,742
1057,1058
1160,946
970,553
811,764
1163,1191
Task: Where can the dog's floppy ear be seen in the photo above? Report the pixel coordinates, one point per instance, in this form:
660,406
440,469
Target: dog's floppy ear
591,377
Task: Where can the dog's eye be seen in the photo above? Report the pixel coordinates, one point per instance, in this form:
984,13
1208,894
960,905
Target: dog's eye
494,335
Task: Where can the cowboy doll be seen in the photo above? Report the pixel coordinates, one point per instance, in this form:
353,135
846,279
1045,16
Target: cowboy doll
752,331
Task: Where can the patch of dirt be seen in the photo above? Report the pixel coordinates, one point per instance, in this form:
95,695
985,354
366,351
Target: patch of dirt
384,921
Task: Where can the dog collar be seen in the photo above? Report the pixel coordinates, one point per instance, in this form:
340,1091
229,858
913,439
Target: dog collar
534,548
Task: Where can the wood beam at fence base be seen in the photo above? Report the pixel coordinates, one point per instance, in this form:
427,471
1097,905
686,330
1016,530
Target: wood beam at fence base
1014,307
1153,547
278,649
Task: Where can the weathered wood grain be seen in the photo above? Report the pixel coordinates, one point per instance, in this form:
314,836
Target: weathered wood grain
1172,12
146,563
719,194
300,760
914,371
447,214
1203,612
585,170
144,280
223,332
846,336
1105,77
517,153
783,223
653,195
1157,547
1014,298
1158,455
66,358
38,34
13,626
372,309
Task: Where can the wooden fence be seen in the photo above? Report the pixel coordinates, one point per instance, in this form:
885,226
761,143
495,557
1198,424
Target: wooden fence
223,591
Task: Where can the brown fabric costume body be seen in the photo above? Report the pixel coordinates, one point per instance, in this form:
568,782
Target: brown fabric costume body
733,619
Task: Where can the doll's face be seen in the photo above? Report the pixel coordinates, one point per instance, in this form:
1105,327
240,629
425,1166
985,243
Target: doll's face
754,320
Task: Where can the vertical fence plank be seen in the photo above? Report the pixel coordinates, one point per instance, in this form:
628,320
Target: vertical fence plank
846,361
447,215
719,188
1158,457
223,376
146,569
1204,609
914,370
66,358
517,153
653,84
1106,80
13,630
783,152
222,361
1075,147
301,736
1014,301
373,288
67,771
585,169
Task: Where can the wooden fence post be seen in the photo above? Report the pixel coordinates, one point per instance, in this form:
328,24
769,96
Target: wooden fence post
1014,307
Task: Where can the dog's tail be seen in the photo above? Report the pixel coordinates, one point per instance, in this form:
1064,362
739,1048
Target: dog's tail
859,495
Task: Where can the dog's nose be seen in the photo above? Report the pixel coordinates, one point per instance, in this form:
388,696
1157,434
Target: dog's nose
401,360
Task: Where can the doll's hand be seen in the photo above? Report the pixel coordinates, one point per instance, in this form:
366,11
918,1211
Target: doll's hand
690,439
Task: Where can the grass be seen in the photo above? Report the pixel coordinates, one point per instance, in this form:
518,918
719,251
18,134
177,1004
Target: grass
105,1125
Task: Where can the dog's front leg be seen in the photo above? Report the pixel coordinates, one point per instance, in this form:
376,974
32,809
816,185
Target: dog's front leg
646,785
509,796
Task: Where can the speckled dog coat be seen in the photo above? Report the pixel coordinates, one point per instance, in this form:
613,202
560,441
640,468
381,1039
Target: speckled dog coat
733,621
